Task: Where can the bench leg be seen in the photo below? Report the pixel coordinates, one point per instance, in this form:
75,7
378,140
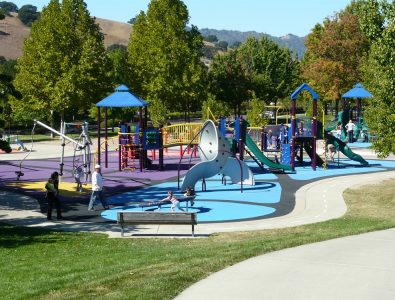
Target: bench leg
193,230
121,230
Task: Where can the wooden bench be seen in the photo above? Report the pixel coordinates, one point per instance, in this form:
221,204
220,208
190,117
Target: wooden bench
156,218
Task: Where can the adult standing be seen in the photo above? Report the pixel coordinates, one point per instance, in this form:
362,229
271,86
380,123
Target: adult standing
52,187
97,189
350,131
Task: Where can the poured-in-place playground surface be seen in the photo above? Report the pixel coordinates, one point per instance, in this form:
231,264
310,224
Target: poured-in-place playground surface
273,194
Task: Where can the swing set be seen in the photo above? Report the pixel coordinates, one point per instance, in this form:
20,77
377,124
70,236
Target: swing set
82,152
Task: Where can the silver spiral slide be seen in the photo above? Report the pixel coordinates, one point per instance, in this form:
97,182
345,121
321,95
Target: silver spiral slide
214,151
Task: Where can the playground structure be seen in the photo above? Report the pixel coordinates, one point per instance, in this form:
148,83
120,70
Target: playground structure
133,145
351,111
81,149
286,142
215,155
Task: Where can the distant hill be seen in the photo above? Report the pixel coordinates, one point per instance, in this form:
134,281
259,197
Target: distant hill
13,32
293,42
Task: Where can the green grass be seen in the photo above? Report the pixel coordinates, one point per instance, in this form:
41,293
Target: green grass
41,264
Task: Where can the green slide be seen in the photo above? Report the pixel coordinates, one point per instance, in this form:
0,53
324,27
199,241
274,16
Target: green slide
342,146
309,151
262,158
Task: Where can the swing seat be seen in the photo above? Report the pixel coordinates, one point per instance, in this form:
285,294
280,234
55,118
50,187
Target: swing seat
18,174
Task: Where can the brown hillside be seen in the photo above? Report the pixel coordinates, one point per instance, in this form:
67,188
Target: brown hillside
13,32
114,32
12,35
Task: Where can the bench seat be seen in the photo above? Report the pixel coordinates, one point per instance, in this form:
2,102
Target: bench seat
156,218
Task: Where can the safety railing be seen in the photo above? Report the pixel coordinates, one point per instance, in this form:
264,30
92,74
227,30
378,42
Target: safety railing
180,134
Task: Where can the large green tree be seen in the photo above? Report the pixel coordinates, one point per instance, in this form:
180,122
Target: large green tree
64,64
335,53
28,14
378,23
7,92
164,58
272,69
259,68
228,81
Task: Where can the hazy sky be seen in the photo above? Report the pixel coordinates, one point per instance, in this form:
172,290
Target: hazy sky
275,17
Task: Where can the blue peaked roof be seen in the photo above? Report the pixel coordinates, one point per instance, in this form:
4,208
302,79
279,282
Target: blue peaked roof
304,87
122,97
357,92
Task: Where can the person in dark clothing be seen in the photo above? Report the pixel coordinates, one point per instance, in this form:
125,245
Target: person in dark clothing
52,196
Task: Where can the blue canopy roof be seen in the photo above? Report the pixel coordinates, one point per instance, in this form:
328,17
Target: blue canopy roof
357,92
122,97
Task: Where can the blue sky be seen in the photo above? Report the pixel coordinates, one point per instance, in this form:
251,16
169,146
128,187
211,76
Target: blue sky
275,17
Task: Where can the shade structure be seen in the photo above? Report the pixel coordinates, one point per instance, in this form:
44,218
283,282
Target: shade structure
357,91
122,97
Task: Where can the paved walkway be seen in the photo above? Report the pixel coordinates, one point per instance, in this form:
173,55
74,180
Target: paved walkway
356,267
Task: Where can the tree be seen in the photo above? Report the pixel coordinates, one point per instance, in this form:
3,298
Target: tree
272,70
7,91
118,57
132,20
377,22
211,38
8,67
255,113
334,56
2,15
28,14
256,67
223,45
8,7
164,58
64,64
228,81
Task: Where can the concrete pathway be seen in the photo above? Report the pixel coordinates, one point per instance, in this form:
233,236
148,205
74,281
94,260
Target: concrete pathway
356,267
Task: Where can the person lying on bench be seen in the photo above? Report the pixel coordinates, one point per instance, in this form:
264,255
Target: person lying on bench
174,202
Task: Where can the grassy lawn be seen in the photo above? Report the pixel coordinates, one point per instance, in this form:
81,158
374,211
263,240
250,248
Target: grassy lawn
41,264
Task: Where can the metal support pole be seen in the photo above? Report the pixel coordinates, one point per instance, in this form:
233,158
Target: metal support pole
314,158
105,138
98,135
141,139
241,139
293,124
161,148
119,150
62,126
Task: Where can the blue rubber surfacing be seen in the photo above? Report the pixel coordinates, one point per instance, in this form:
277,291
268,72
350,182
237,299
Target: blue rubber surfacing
219,203
225,203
